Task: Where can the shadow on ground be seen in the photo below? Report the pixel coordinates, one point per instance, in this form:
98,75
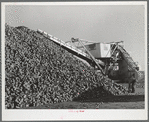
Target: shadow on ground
100,95
122,98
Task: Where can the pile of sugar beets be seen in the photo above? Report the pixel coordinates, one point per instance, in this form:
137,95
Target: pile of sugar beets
39,72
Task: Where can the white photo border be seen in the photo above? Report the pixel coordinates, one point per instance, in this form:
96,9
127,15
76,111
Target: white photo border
65,114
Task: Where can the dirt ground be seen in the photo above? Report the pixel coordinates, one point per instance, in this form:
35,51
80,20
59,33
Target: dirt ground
130,101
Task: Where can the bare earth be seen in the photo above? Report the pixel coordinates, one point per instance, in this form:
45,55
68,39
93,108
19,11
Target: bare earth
130,101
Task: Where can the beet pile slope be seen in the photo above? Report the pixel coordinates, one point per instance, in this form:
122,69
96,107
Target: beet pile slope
38,72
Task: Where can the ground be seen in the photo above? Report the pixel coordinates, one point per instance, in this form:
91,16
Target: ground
130,101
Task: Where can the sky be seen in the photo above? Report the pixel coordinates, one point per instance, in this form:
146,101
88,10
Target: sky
97,23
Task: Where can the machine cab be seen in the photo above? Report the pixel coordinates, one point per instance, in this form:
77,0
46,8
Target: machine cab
116,63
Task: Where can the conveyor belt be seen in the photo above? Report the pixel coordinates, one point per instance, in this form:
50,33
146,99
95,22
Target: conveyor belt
132,66
74,50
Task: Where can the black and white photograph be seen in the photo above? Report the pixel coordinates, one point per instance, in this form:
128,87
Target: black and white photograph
74,61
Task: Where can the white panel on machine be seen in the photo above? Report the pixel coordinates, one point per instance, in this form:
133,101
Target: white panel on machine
105,50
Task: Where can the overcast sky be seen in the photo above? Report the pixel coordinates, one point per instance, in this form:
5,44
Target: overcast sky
95,23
